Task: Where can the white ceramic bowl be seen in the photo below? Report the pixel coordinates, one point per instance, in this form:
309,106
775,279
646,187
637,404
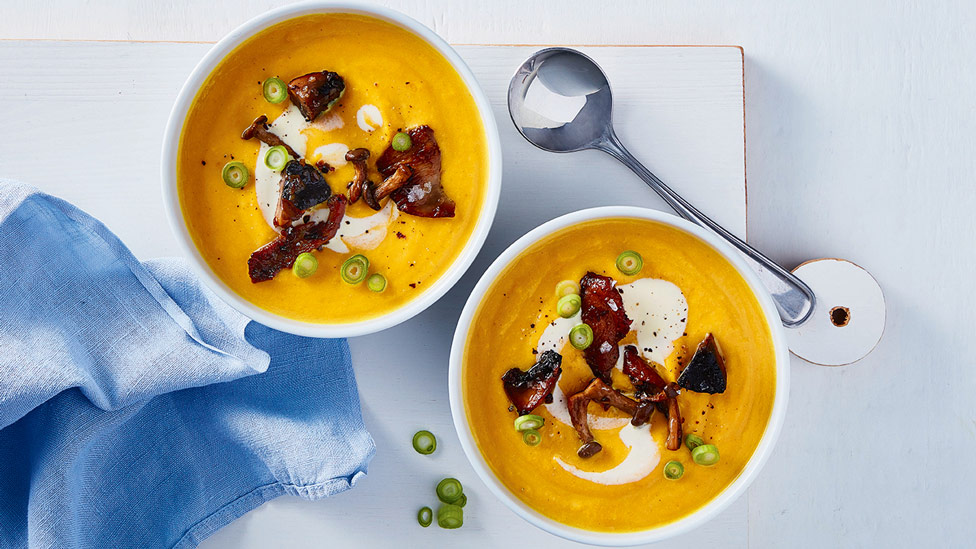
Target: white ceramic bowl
171,141
701,515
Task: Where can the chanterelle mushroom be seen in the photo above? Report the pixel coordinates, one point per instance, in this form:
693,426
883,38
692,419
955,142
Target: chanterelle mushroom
600,392
259,129
358,159
705,373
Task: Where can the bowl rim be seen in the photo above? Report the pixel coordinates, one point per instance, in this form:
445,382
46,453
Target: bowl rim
701,515
170,151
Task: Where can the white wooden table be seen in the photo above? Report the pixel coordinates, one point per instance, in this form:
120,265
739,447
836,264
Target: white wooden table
861,129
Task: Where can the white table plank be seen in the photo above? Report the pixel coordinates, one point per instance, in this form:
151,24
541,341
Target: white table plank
679,109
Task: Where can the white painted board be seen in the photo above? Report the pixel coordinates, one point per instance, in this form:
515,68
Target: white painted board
680,109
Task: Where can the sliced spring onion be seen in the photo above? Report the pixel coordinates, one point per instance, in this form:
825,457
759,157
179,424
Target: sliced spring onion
706,454
529,421
401,142
581,336
275,90
568,305
425,516
450,516
424,442
693,441
449,490
235,174
354,269
531,437
276,157
305,265
463,501
673,470
630,262
376,282
567,287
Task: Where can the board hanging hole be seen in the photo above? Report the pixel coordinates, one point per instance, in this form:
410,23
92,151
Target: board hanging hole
840,316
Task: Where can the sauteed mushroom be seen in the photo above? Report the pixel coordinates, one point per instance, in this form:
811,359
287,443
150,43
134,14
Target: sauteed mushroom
358,159
600,392
259,129
315,92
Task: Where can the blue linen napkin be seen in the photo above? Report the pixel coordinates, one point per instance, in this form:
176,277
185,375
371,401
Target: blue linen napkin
139,410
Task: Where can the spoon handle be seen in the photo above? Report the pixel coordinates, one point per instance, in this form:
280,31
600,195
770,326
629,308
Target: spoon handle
794,299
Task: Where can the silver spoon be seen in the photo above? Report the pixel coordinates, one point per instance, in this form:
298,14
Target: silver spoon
576,107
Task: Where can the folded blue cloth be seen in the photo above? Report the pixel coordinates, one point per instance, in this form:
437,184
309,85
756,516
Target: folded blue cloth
136,408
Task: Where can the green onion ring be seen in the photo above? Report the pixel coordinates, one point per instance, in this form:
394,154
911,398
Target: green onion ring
531,437
450,516
276,157
401,142
376,282
449,490
567,287
235,174
354,269
706,455
568,305
673,470
529,421
424,442
693,441
305,265
425,516
630,262
581,336
274,90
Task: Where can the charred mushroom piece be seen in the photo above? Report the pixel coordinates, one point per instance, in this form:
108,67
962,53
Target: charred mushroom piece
358,158
528,389
315,92
422,195
281,252
600,392
645,378
399,178
603,311
705,373
259,129
301,187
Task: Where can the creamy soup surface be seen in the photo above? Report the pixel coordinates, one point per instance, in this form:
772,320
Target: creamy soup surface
394,80
622,488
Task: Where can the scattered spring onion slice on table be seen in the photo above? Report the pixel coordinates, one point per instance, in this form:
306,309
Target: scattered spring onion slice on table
567,287
305,265
275,90
276,157
449,490
706,454
354,269
463,501
450,516
630,262
568,305
529,421
235,174
693,441
673,470
425,516
401,142
424,442
581,336
531,437
376,282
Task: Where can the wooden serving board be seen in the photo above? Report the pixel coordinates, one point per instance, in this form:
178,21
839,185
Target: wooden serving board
84,121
